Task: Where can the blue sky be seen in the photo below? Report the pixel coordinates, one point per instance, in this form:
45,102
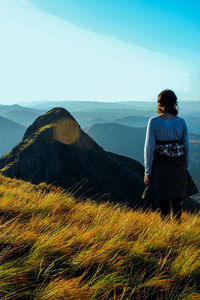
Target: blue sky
98,50
154,24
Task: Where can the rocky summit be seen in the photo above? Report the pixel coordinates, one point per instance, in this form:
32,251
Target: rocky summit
57,151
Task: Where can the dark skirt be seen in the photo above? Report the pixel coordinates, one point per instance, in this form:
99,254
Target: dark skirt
170,178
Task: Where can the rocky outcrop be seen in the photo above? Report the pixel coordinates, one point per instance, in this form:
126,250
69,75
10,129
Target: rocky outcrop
57,151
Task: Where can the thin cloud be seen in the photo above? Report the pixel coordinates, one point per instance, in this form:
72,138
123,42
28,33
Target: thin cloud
43,57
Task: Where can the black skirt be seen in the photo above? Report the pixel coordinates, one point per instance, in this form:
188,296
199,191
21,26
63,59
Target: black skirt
170,179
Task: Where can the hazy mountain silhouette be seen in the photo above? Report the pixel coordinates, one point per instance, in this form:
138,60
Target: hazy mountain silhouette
19,114
6,108
90,105
193,123
120,139
133,121
24,117
195,157
55,150
120,112
88,113
11,133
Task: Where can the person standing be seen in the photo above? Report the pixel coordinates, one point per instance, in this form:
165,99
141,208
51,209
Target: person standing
167,157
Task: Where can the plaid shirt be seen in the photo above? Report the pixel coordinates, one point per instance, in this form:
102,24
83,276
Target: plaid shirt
172,149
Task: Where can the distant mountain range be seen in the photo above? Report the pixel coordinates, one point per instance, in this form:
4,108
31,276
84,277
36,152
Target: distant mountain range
131,113
11,134
185,107
14,120
87,113
19,114
133,121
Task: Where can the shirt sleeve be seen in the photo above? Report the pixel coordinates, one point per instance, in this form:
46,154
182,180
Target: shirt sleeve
149,147
186,144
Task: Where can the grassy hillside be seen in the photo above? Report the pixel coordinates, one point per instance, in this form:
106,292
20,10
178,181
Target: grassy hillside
56,247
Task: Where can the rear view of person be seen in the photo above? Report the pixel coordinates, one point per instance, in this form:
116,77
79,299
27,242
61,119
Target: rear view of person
167,158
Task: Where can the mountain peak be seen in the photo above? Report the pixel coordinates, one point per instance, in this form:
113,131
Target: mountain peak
52,116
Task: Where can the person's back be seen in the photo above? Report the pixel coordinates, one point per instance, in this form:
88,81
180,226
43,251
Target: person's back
169,128
166,157
164,128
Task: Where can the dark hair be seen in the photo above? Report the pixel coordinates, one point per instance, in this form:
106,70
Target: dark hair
167,102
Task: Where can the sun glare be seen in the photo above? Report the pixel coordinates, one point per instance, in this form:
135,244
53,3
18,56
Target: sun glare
67,131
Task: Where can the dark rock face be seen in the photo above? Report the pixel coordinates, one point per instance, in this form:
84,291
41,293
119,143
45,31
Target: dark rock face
55,150
50,117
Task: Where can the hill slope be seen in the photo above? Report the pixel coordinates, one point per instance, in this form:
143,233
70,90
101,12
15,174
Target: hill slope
133,121
53,247
11,134
120,139
55,150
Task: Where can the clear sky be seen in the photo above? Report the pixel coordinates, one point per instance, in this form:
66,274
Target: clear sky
109,50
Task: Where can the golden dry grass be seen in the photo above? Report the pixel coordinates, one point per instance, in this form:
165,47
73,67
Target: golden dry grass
55,247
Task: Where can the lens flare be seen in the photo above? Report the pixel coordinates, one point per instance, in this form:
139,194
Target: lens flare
67,131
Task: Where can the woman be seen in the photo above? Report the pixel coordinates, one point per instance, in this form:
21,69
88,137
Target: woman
166,157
